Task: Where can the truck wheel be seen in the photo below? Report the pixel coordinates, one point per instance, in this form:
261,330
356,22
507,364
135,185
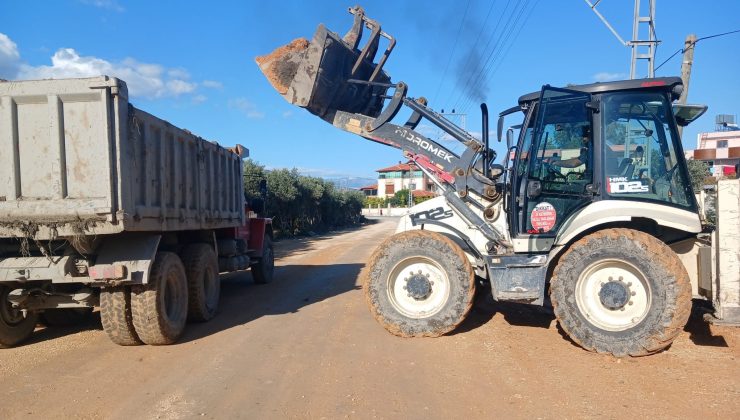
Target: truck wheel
65,317
15,327
419,284
621,292
116,317
160,308
204,284
262,271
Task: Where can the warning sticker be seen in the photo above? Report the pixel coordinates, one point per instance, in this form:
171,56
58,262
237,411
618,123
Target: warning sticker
543,217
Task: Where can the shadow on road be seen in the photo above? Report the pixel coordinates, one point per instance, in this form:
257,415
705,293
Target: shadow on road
294,287
485,308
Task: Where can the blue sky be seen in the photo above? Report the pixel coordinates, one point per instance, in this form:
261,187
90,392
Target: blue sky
192,63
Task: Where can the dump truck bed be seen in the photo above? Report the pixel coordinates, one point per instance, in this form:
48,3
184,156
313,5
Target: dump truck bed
77,159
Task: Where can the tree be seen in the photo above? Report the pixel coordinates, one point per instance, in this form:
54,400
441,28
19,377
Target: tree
698,170
253,174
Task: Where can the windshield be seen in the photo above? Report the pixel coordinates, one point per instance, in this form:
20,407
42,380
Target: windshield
640,153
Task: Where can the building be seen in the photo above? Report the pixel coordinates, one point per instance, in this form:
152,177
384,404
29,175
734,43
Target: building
720,150
404,176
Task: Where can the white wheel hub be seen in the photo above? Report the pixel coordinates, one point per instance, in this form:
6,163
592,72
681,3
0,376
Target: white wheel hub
614,295
418,287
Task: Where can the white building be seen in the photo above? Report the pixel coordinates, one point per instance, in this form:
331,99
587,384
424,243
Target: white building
720,149
404,176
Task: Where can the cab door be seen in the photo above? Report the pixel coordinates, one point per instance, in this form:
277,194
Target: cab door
553,176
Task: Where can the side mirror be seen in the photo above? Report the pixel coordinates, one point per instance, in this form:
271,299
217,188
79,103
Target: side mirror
500,128
509,138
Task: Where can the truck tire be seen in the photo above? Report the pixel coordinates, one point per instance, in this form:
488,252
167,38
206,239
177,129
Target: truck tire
621,292
65,317
160,308
204,284
116,317
264,268
15,327
419,284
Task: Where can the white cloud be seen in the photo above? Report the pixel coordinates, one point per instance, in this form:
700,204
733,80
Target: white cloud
199,99
608,77
246,107
105,4
212,84
287,114
145,80
9,57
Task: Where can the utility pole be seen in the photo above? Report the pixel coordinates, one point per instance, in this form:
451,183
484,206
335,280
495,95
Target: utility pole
688,62
636,43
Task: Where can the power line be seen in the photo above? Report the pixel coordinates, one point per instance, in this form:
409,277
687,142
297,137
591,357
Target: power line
498,58
480,33
449,60
482,74
470,76
682,50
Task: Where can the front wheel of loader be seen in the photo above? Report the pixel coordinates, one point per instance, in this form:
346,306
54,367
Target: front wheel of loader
419,284
621,292
15,326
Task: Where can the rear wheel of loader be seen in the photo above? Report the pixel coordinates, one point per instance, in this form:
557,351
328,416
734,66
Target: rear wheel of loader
204,284
621,292
419,284
160,308
263,271
116,317
15,326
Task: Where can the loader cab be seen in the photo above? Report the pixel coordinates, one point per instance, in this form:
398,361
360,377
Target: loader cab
606,141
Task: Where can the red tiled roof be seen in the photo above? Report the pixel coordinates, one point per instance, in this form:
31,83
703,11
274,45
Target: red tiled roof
420,193
369,187
399,167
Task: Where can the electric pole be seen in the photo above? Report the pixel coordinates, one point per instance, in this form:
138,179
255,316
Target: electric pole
642,49
688,62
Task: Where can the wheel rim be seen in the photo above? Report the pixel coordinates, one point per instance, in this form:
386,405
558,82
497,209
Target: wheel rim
210,285
268,260
10,316
613,295
172,296
418,287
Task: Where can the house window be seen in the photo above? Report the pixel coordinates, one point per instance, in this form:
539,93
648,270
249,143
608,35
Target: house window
390,189
722,144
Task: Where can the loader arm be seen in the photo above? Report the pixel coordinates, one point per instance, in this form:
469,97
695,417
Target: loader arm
335,80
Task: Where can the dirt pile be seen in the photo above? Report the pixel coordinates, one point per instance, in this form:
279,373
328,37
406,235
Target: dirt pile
281,65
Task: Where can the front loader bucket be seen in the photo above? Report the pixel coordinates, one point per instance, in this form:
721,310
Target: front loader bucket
330,73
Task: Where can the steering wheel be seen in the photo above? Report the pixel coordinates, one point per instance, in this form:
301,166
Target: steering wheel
554,172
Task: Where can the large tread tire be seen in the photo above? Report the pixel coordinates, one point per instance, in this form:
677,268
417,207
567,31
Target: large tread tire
405,248
66,317
116,317
264,269
15,328
204,284
670,292
160,308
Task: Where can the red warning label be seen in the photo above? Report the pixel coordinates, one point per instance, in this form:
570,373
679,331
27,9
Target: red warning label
543,217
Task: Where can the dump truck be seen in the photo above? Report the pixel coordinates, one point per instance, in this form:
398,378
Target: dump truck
104,205
592,211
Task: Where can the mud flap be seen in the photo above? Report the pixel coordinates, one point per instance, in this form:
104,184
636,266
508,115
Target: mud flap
133,251
518,278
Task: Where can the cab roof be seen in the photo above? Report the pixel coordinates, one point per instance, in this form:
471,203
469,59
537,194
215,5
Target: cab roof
663,83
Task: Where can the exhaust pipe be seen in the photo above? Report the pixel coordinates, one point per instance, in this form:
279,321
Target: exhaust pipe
484,123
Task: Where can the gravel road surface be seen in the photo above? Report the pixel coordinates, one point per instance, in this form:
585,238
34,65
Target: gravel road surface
306,346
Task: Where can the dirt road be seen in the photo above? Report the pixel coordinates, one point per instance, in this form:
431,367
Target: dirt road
306,346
